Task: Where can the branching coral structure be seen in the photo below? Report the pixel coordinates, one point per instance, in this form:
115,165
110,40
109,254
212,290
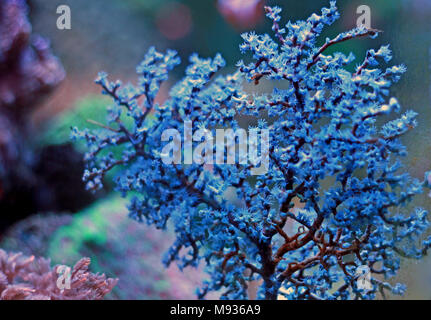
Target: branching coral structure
333,200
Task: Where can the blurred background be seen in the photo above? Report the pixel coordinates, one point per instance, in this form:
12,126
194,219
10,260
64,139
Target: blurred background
44,209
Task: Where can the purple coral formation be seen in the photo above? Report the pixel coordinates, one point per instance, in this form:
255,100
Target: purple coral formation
28,176
28,278
28,70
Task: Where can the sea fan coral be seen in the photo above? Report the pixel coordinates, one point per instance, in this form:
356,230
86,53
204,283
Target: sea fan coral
332,202
29,278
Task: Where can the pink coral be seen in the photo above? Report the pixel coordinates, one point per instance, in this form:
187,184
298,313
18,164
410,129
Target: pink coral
29,278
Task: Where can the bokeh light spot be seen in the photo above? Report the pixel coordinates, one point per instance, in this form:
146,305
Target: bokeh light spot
174,20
